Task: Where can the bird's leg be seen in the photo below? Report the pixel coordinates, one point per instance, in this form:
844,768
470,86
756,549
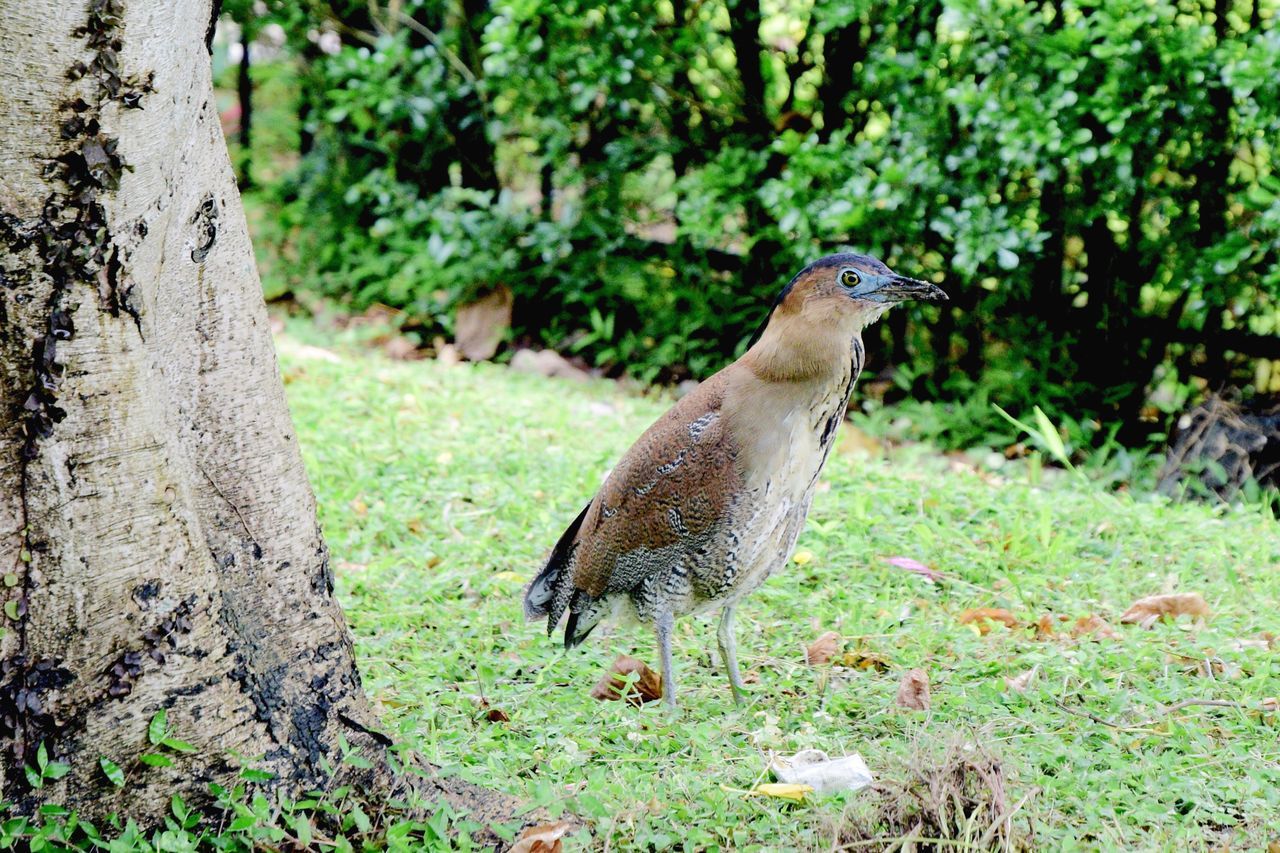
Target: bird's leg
729,654
664,624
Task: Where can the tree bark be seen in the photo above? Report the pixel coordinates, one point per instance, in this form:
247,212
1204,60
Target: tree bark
158,538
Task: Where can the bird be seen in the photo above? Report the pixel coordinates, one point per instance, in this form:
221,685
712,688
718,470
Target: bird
710,500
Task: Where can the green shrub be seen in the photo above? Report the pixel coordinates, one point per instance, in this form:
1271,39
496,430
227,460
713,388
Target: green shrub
1094,183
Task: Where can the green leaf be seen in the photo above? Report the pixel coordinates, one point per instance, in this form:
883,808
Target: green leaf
302,829
42,756
155,759
34,779
251,775
178,745
112,771
56,770
156,730
10,579
240,824
1050,436
11,609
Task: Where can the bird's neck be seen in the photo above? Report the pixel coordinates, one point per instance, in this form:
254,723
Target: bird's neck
795,351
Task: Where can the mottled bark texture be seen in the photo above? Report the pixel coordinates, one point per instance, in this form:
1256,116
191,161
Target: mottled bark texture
158,538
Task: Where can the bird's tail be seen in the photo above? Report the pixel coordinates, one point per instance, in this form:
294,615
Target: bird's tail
550,591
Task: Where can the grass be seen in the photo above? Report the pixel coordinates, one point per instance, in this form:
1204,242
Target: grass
441,490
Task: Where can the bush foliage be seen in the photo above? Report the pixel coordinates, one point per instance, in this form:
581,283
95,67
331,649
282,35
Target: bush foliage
1094,182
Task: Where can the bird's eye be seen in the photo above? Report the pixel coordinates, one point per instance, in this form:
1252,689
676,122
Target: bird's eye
849,278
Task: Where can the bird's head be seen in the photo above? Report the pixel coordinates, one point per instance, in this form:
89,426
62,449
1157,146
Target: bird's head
849,288
828,303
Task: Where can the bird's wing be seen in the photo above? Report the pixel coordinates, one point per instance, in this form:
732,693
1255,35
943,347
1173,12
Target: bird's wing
663,497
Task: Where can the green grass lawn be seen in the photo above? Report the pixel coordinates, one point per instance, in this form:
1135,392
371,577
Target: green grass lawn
442,489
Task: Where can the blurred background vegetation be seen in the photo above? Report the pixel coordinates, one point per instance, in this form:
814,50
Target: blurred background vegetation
1095,183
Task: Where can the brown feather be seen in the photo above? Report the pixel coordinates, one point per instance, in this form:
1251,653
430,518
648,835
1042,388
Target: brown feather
670,488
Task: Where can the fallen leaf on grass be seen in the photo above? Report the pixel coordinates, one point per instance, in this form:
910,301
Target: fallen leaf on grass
400,348
823,649
784,791
1205,667
1271,704
916,567
480,325
1094,626
544,838
1145,612
497,715
1020,683
448,355
613,685
863,659
1244,645
1044,627
1215,668
913,690
982,617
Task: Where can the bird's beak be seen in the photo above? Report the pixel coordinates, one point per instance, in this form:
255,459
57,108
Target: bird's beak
899,288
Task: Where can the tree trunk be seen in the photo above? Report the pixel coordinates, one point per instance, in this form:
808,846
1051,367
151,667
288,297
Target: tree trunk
158,537
244,89
842,50
764,270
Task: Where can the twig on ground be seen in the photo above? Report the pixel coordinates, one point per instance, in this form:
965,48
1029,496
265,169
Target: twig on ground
1164,711
1089,715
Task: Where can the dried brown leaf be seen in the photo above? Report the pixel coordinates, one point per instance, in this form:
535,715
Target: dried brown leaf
984,616
448,355
913,690
544,838
613,686
1044,627
1020,683
400,348
481,325
864,659
1244,645
823,649
1094,626
497,715
1214,668
1145,612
